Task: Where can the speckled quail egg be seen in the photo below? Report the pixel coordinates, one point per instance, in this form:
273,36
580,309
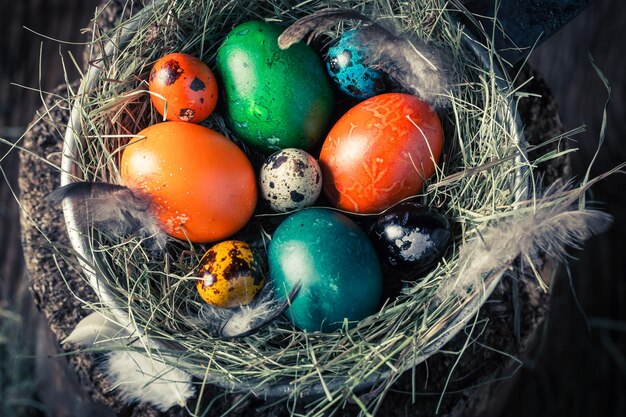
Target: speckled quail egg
290,179
230,275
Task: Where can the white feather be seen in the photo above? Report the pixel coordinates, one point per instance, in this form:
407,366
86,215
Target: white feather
244,320
240,321
140,378
247,318
134,365
93,329
550,228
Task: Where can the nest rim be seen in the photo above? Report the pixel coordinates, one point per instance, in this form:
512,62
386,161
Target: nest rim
71,170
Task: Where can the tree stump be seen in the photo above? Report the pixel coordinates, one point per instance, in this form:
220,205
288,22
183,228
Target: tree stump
512,318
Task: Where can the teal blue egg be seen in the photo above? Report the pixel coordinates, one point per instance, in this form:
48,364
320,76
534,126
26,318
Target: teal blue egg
346,65
335,264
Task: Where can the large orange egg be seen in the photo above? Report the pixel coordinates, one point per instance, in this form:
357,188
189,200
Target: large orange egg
202,186
380,152
186,84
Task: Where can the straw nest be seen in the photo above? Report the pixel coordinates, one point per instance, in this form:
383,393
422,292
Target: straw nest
480,180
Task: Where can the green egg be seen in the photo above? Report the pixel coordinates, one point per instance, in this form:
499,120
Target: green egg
273,98
335,264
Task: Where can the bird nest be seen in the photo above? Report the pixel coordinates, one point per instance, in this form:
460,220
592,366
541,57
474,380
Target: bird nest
483,180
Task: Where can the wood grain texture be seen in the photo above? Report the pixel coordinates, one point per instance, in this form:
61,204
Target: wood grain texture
582,368
21,51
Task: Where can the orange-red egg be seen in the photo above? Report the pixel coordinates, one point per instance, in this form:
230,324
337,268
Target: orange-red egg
186,84
201,185
380,152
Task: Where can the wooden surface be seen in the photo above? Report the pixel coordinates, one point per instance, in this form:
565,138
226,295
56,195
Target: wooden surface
45,379
580,371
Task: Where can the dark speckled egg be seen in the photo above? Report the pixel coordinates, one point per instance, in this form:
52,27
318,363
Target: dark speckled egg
345,64
411,236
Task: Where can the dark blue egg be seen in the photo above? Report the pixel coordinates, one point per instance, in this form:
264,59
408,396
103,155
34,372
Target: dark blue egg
345,65
411,236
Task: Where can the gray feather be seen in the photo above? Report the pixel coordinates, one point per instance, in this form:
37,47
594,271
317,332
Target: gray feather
548,226
416,67
315,24
114,208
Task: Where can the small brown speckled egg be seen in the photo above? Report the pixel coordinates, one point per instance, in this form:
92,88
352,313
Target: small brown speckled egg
290,179
230,275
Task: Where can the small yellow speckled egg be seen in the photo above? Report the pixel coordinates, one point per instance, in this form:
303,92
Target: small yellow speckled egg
230,275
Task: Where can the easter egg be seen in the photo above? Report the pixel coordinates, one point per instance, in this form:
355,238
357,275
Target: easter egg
380,152
290,179
202,187
273,98
347,69
230,275
185,85
335,264
411,236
